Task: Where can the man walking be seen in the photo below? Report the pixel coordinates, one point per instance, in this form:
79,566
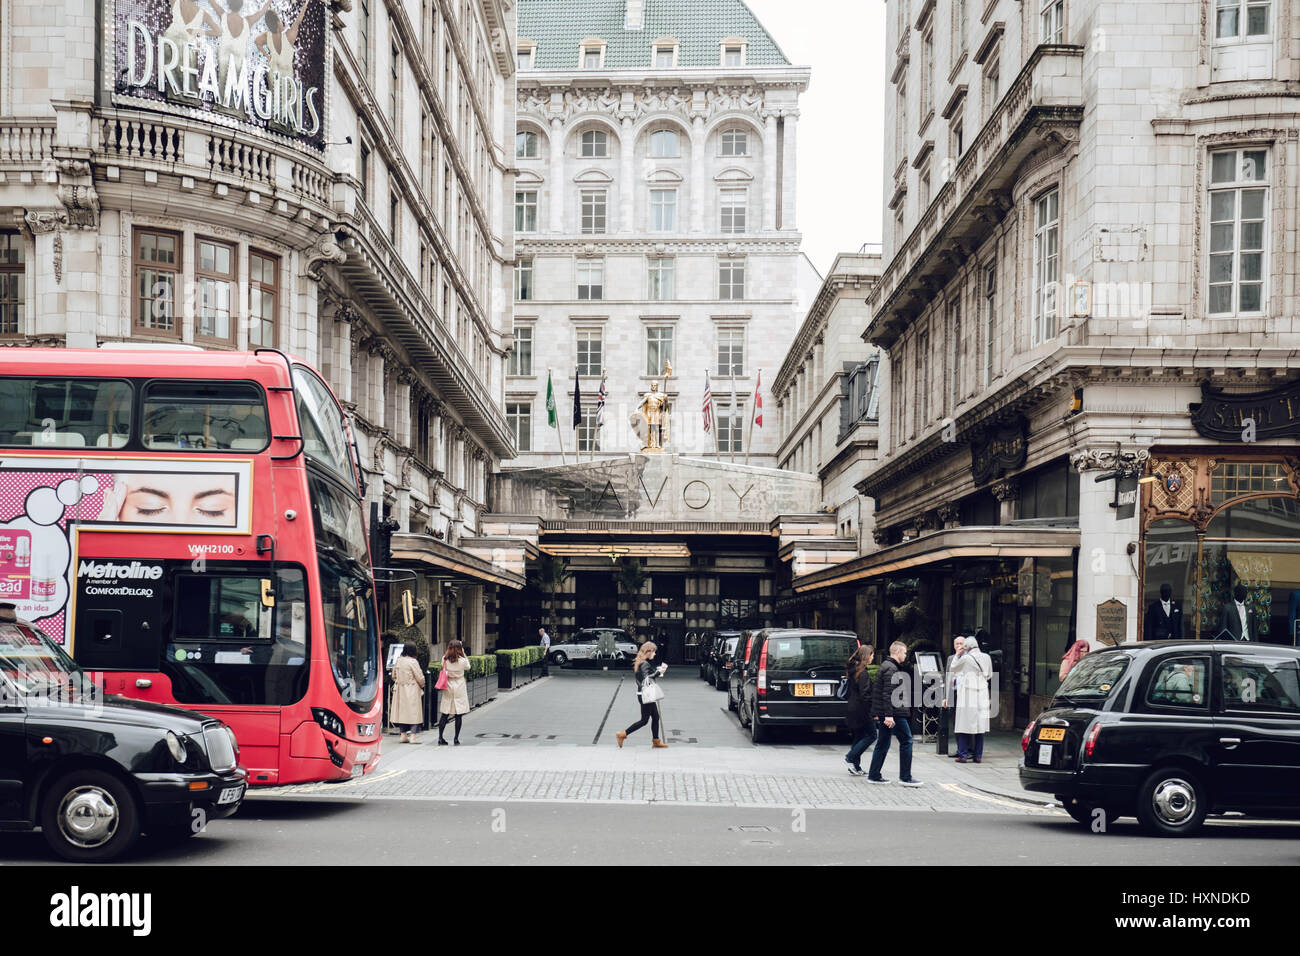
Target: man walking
891,708
545,640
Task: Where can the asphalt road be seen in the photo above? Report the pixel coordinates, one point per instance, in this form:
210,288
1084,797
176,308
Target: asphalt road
328,832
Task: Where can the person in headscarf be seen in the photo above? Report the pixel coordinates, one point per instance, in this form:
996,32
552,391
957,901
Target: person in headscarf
973,670
1078,650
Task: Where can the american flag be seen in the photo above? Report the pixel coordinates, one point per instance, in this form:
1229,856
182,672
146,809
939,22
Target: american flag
600,404
758,400
708,404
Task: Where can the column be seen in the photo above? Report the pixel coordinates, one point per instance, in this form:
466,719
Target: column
556,220
789,171
769,172
627,185
698,190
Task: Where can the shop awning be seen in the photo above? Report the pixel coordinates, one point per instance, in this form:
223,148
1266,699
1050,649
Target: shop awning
1002,541
427,554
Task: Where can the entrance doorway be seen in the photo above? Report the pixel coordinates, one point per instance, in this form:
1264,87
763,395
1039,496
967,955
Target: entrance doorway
597,604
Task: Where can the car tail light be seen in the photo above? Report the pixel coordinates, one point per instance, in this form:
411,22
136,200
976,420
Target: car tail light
762,672
1029,732
1090,742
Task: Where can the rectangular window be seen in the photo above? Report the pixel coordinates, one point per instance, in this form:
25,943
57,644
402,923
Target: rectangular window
526,210
1047,227
992,85
899,233
524,280
593,211
665,57
591,278
157,273
421,419
365,172
658,348
263,296
1051,21
990,318
957,139
1239,197
12,282
901,130
731,421
955,369
209,415
1260,683
731,279
595,144
525,59
735,143
519,415
363,35
927,72
526,145
591,58
662,280
588,432
923,188
733,56
663,210
732,203
958,29
731,352
590,347
1240,20
394,84
521,356
62,412
214,273
394,216
923,375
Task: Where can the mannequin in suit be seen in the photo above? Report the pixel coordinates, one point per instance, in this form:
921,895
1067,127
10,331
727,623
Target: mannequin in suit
1164,620
1237,619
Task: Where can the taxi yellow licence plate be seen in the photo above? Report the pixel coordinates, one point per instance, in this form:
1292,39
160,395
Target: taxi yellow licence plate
1052,733
803,690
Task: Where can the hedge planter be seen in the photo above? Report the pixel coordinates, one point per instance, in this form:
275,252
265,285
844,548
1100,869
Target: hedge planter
518,666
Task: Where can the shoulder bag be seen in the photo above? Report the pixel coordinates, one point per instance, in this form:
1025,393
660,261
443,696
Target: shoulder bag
651,692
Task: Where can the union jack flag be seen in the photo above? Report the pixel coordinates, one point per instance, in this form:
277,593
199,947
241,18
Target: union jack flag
708,404
600,404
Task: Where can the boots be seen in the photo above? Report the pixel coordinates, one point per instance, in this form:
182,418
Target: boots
620,737
659,744
405,738
414,739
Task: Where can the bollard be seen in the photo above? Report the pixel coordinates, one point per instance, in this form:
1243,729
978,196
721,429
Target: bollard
941,739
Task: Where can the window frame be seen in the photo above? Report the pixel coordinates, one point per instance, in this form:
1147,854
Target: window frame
1238,187
262,287
728,46
232,281
733,132
989,273
588,47
587,434
1045,320
662,266
176,271
658,49
656,337
657,135
1051,21
529,137
522,207
1242,23
657,208
519,416
1242,708
730,418
520,361
522,52
15,307
594,265
728,286
724,333
593,205
1206,689
602,141
587,335
525,266
725,206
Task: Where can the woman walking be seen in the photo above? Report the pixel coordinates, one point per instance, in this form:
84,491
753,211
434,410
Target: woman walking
648,692
408,694
973,670
858,717
454,700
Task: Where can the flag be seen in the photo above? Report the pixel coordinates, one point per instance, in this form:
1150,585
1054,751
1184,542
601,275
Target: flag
707,409
600,404
577,400
552,418
758,400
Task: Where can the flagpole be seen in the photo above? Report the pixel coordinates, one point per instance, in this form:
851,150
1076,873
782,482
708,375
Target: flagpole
731,441
553,409
753,413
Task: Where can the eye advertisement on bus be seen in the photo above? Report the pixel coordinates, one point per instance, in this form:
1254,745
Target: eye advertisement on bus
41,500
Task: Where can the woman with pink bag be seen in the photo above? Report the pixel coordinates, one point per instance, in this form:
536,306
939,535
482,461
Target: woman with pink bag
453,701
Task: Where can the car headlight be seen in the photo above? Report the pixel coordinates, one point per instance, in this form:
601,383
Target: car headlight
234,744
176,746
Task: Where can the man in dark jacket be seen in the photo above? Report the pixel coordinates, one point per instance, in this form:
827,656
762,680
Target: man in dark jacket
858,717
891,708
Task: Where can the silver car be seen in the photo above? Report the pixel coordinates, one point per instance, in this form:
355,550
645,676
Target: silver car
595,644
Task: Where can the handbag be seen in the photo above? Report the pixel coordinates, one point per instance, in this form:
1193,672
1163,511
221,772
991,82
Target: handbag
651,692
442,679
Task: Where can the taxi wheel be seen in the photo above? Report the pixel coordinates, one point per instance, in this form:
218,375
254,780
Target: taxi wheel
559,658
757,732
1172,802
89,816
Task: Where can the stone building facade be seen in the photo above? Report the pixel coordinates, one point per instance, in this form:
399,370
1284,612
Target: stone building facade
655,223
181,183
1090,277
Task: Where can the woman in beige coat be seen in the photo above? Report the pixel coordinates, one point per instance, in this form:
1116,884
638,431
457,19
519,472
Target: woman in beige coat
408,694
454,700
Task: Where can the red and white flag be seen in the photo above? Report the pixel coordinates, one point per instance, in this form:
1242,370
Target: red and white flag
707,408
758,400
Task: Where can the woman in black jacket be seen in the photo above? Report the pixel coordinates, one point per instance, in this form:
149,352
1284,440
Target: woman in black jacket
645,671
858,717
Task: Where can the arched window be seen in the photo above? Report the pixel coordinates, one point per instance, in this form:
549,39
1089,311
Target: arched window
525,145
663,143
735,142
595,144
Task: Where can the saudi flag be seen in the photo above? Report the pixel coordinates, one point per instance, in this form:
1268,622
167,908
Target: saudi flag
552,419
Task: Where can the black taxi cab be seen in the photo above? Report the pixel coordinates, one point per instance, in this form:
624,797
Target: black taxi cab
1171,731
94,771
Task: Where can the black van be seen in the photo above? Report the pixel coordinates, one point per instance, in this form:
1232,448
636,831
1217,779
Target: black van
93,771
793,678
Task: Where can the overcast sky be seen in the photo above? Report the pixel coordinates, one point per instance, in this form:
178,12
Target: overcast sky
840,119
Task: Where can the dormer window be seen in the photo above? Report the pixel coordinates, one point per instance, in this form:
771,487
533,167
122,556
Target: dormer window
592,56
665,56
733,53
524,58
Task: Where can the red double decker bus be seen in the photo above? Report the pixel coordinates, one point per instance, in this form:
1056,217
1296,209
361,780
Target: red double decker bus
189,525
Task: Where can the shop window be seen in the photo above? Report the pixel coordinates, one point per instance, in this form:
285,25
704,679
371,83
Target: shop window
1232,479
1050,492
1170,558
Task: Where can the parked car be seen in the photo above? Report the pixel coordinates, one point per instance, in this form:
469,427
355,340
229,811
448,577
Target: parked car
708,647
594,644
736,677
1170,731
724,660
792,679
717,650
94,771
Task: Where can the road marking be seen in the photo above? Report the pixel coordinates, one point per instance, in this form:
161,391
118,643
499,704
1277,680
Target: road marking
971,792
601,729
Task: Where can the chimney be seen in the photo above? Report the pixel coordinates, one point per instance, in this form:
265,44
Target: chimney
634,17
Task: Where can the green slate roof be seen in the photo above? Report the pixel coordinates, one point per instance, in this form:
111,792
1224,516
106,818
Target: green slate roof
698,26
